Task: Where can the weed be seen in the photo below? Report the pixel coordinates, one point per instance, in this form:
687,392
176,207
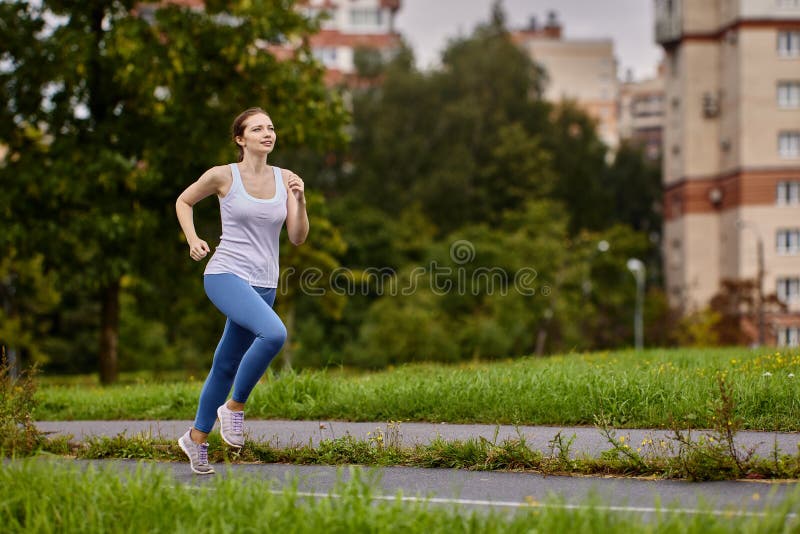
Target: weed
18,433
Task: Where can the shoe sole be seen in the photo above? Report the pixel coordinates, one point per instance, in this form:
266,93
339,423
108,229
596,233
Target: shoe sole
180,444
222,434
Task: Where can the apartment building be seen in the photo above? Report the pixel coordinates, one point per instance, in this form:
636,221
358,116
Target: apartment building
731,166
641,113
583,70
348,26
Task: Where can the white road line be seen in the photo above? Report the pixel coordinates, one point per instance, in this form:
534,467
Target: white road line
534,504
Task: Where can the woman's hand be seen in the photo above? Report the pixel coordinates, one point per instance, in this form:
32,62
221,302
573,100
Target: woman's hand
297,187
198,249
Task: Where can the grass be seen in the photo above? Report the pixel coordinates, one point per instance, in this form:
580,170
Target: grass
658,388
714,456
45,496
680,457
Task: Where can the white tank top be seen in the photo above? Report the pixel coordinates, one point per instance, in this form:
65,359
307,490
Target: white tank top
251,229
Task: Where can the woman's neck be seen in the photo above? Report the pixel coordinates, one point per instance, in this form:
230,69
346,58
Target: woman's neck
254,163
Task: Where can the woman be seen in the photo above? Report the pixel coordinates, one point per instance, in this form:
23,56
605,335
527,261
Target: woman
242,276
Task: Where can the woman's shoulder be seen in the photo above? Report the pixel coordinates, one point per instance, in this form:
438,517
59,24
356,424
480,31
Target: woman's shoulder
285,173
219,174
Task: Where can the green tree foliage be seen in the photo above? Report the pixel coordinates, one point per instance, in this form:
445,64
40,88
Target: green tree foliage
27,296
446,140
473,150
110,108
633,185
518,287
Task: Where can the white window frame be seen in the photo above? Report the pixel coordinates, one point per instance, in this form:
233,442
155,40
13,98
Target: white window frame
789,94
789,144
789,43
788,289
787,193
366,17
788,336
788,241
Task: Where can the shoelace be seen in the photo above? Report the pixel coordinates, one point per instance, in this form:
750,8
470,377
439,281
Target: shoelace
237,421
202,453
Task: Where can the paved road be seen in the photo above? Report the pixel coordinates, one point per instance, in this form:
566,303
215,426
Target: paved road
507,491
502,490
587,440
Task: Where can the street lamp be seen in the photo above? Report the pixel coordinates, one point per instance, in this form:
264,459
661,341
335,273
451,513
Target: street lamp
636,267
602,246
759,278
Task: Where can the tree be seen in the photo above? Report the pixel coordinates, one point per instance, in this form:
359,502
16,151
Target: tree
444,140
633,184
110,108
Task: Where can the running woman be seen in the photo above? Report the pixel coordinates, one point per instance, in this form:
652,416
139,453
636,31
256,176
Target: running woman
241,278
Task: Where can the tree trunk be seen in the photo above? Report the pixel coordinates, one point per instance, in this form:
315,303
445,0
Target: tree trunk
109,333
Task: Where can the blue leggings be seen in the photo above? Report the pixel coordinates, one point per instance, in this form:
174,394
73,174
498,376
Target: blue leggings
252,337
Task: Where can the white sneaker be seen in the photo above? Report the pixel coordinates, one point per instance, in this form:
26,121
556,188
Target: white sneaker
231,426
197,453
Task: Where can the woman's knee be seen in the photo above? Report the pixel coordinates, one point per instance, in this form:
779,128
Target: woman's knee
273,333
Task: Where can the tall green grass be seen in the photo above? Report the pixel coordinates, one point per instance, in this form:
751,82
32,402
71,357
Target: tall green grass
651,389
44,497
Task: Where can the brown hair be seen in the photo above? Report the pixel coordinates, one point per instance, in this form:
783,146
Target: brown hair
238,126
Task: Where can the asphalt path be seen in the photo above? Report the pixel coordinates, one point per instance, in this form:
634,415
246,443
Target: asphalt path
471,489
585,440
510,491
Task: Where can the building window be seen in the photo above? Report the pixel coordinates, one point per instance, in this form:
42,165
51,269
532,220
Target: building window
789,144
788,193
788,241
326,56
789,44
789,95
366,17
788,336
789,290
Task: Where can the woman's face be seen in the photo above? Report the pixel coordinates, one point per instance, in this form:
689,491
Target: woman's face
259,134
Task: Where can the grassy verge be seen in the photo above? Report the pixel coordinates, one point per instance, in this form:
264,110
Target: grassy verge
38,496
714,456
651,389
702,461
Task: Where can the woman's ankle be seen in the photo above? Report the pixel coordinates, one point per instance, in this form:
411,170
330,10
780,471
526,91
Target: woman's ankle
197,436
234,406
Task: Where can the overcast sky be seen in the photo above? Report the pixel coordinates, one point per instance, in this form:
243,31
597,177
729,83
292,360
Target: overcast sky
428,24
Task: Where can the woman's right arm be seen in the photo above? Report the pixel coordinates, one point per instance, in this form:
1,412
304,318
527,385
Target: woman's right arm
211,182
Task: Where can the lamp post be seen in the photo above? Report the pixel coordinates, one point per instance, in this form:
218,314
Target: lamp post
759,279
637,268
586,286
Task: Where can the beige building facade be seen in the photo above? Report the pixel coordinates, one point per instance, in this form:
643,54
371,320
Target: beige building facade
731,152
583,70
348,26
641,113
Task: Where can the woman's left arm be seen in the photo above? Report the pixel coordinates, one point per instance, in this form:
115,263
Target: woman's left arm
296,216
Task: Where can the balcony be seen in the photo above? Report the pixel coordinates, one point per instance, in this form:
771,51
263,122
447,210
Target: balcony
668,21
